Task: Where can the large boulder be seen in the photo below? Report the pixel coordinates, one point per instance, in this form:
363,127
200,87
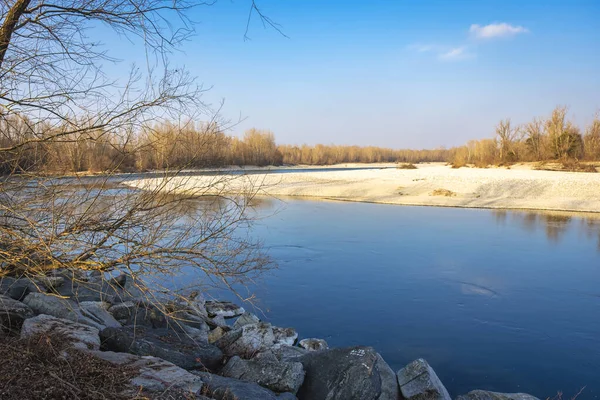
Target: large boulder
79,335
347,373
485,395
154,374
97,311
288,353
222,388
276,376
313,344
55,306
98,288
248,340
163,343
18,289
418,381
223,308
12,314
245,319
286,336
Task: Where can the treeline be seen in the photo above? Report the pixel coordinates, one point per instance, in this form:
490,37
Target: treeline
169,146
327,155
27,147
554,138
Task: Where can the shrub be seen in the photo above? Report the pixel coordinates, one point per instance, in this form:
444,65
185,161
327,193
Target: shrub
406,166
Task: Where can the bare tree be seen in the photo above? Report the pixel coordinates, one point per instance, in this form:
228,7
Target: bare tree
507,135
54,90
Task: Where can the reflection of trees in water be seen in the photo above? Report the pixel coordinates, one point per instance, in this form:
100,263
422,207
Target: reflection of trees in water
555,224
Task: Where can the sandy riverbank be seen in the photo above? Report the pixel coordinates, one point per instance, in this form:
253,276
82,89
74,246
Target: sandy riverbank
430,185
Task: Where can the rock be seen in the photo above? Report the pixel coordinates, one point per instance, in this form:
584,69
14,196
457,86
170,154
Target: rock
163,343
197,334
313,344
51,282
81,336
347,373
148,316
419,381
222,388
101,289
218,322
248,340
287,353
223,308
286,336
485,395
287,396
215,334
122,311
12,314
155,375
57,307
17,289
245,319
266,355
97,311
276,376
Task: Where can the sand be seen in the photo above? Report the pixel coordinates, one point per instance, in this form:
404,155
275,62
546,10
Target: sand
434,184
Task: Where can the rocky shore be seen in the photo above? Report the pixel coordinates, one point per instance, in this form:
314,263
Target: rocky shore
205,349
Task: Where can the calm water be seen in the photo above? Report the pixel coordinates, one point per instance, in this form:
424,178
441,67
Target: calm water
504,301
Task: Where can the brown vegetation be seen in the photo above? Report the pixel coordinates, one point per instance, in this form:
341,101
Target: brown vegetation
44,367
554,138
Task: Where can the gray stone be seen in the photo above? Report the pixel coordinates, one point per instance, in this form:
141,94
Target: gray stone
216,334
81,336
154,374
418,381
18,289
266,355
347,373
12,314
97,311
248,340
51,282
485,395
287,353
55,306
245,319
163,343
222,388
122,311
218,322
313,344
276,376
100,289
287,336
224,308
287,396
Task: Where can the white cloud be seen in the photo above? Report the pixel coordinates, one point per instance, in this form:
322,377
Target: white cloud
455,54
496,30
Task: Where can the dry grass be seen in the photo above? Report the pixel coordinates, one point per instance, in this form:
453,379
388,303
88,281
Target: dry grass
44,367
443,192
406,166
567,166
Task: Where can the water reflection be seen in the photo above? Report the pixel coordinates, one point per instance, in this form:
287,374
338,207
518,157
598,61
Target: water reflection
555,223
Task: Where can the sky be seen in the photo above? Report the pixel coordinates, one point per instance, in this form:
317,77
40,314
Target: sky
400,74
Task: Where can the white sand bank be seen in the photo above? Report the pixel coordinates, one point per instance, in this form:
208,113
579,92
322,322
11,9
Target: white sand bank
517,188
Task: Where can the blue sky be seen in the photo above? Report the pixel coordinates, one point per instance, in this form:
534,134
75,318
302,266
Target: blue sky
402,74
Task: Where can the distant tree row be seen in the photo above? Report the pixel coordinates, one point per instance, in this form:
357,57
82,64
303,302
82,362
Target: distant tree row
554,138
169,145
327,155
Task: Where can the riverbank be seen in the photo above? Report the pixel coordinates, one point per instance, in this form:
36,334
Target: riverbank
127,347
434,184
